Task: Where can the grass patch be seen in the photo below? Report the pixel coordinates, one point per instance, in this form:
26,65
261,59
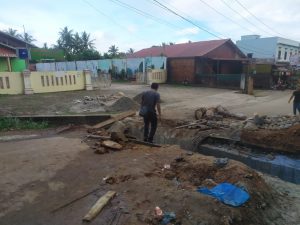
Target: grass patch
12,123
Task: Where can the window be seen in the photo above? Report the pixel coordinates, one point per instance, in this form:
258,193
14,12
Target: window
66,78
43,81
285,55
56,79
1,83
7,82
70,79
47,79
279,54
52,80
62,81
74,79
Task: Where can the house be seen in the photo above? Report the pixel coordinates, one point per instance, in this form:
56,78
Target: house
278,50
211,63
9,60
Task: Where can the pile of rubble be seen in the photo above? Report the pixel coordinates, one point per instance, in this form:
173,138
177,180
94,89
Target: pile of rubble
100,98
271,122
216,113
214,118
105,141
104,103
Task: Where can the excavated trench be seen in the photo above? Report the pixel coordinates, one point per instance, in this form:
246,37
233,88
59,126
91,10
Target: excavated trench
283,166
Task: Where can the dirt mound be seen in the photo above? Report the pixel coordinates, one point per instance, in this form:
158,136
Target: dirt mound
285,140
138,98
123,104
197,170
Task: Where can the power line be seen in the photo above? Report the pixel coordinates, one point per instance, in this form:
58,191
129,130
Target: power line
177,14
228,18
260,21
186,19
107,16
183,13
237,12
145,14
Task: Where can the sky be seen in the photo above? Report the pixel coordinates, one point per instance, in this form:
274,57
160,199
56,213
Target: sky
110,22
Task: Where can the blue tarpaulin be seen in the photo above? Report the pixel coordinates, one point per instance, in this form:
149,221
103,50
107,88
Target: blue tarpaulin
227,193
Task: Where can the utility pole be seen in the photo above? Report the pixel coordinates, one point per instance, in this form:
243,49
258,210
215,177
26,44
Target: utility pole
27,59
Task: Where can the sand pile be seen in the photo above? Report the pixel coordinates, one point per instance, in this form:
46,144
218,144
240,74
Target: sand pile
123,104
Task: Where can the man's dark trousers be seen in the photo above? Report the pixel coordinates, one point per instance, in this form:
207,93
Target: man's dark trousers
296,106
150,118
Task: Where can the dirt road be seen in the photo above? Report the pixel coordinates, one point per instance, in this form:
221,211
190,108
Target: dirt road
178,101
39,176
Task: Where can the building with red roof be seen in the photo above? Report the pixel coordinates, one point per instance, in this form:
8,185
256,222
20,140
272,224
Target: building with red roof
205,62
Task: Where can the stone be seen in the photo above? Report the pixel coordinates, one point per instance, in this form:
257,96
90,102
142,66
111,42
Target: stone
221,162
210,113
250,126
112,145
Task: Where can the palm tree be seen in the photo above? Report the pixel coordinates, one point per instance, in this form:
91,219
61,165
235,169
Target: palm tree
65,38
13,32
113,51
28,38
86,42
65,41
130,51
77,45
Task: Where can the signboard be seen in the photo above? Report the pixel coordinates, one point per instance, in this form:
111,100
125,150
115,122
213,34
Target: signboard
42,54
22,53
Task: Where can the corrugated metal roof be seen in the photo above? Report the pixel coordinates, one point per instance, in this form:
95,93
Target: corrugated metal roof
7,51
192,49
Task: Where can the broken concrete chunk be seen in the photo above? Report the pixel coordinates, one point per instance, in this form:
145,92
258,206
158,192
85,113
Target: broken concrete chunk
112,145
221,162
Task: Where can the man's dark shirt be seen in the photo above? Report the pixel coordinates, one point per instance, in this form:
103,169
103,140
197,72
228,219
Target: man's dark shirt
297,96
150,99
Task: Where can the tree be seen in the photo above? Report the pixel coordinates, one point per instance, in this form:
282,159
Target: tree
76,46
86,41
171,43
130,51
45,46
113,51
13,32
28,38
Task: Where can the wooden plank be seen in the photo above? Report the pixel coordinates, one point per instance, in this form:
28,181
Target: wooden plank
93,136
114,119
143,143
98,206
75,200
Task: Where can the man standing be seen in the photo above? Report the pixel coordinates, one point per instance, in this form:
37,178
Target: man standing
150,101
296,96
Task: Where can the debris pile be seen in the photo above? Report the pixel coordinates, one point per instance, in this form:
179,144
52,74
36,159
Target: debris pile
271,122
123,104
217,113
105,141
214,118
104,103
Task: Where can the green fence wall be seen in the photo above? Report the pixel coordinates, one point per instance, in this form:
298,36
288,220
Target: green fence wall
18,65
3,65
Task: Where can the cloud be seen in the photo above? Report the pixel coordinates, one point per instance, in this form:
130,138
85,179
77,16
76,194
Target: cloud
187,31
43,20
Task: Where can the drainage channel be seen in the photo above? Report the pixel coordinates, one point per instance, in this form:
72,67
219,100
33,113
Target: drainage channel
285,167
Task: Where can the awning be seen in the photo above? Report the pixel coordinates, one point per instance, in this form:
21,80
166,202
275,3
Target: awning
5,52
